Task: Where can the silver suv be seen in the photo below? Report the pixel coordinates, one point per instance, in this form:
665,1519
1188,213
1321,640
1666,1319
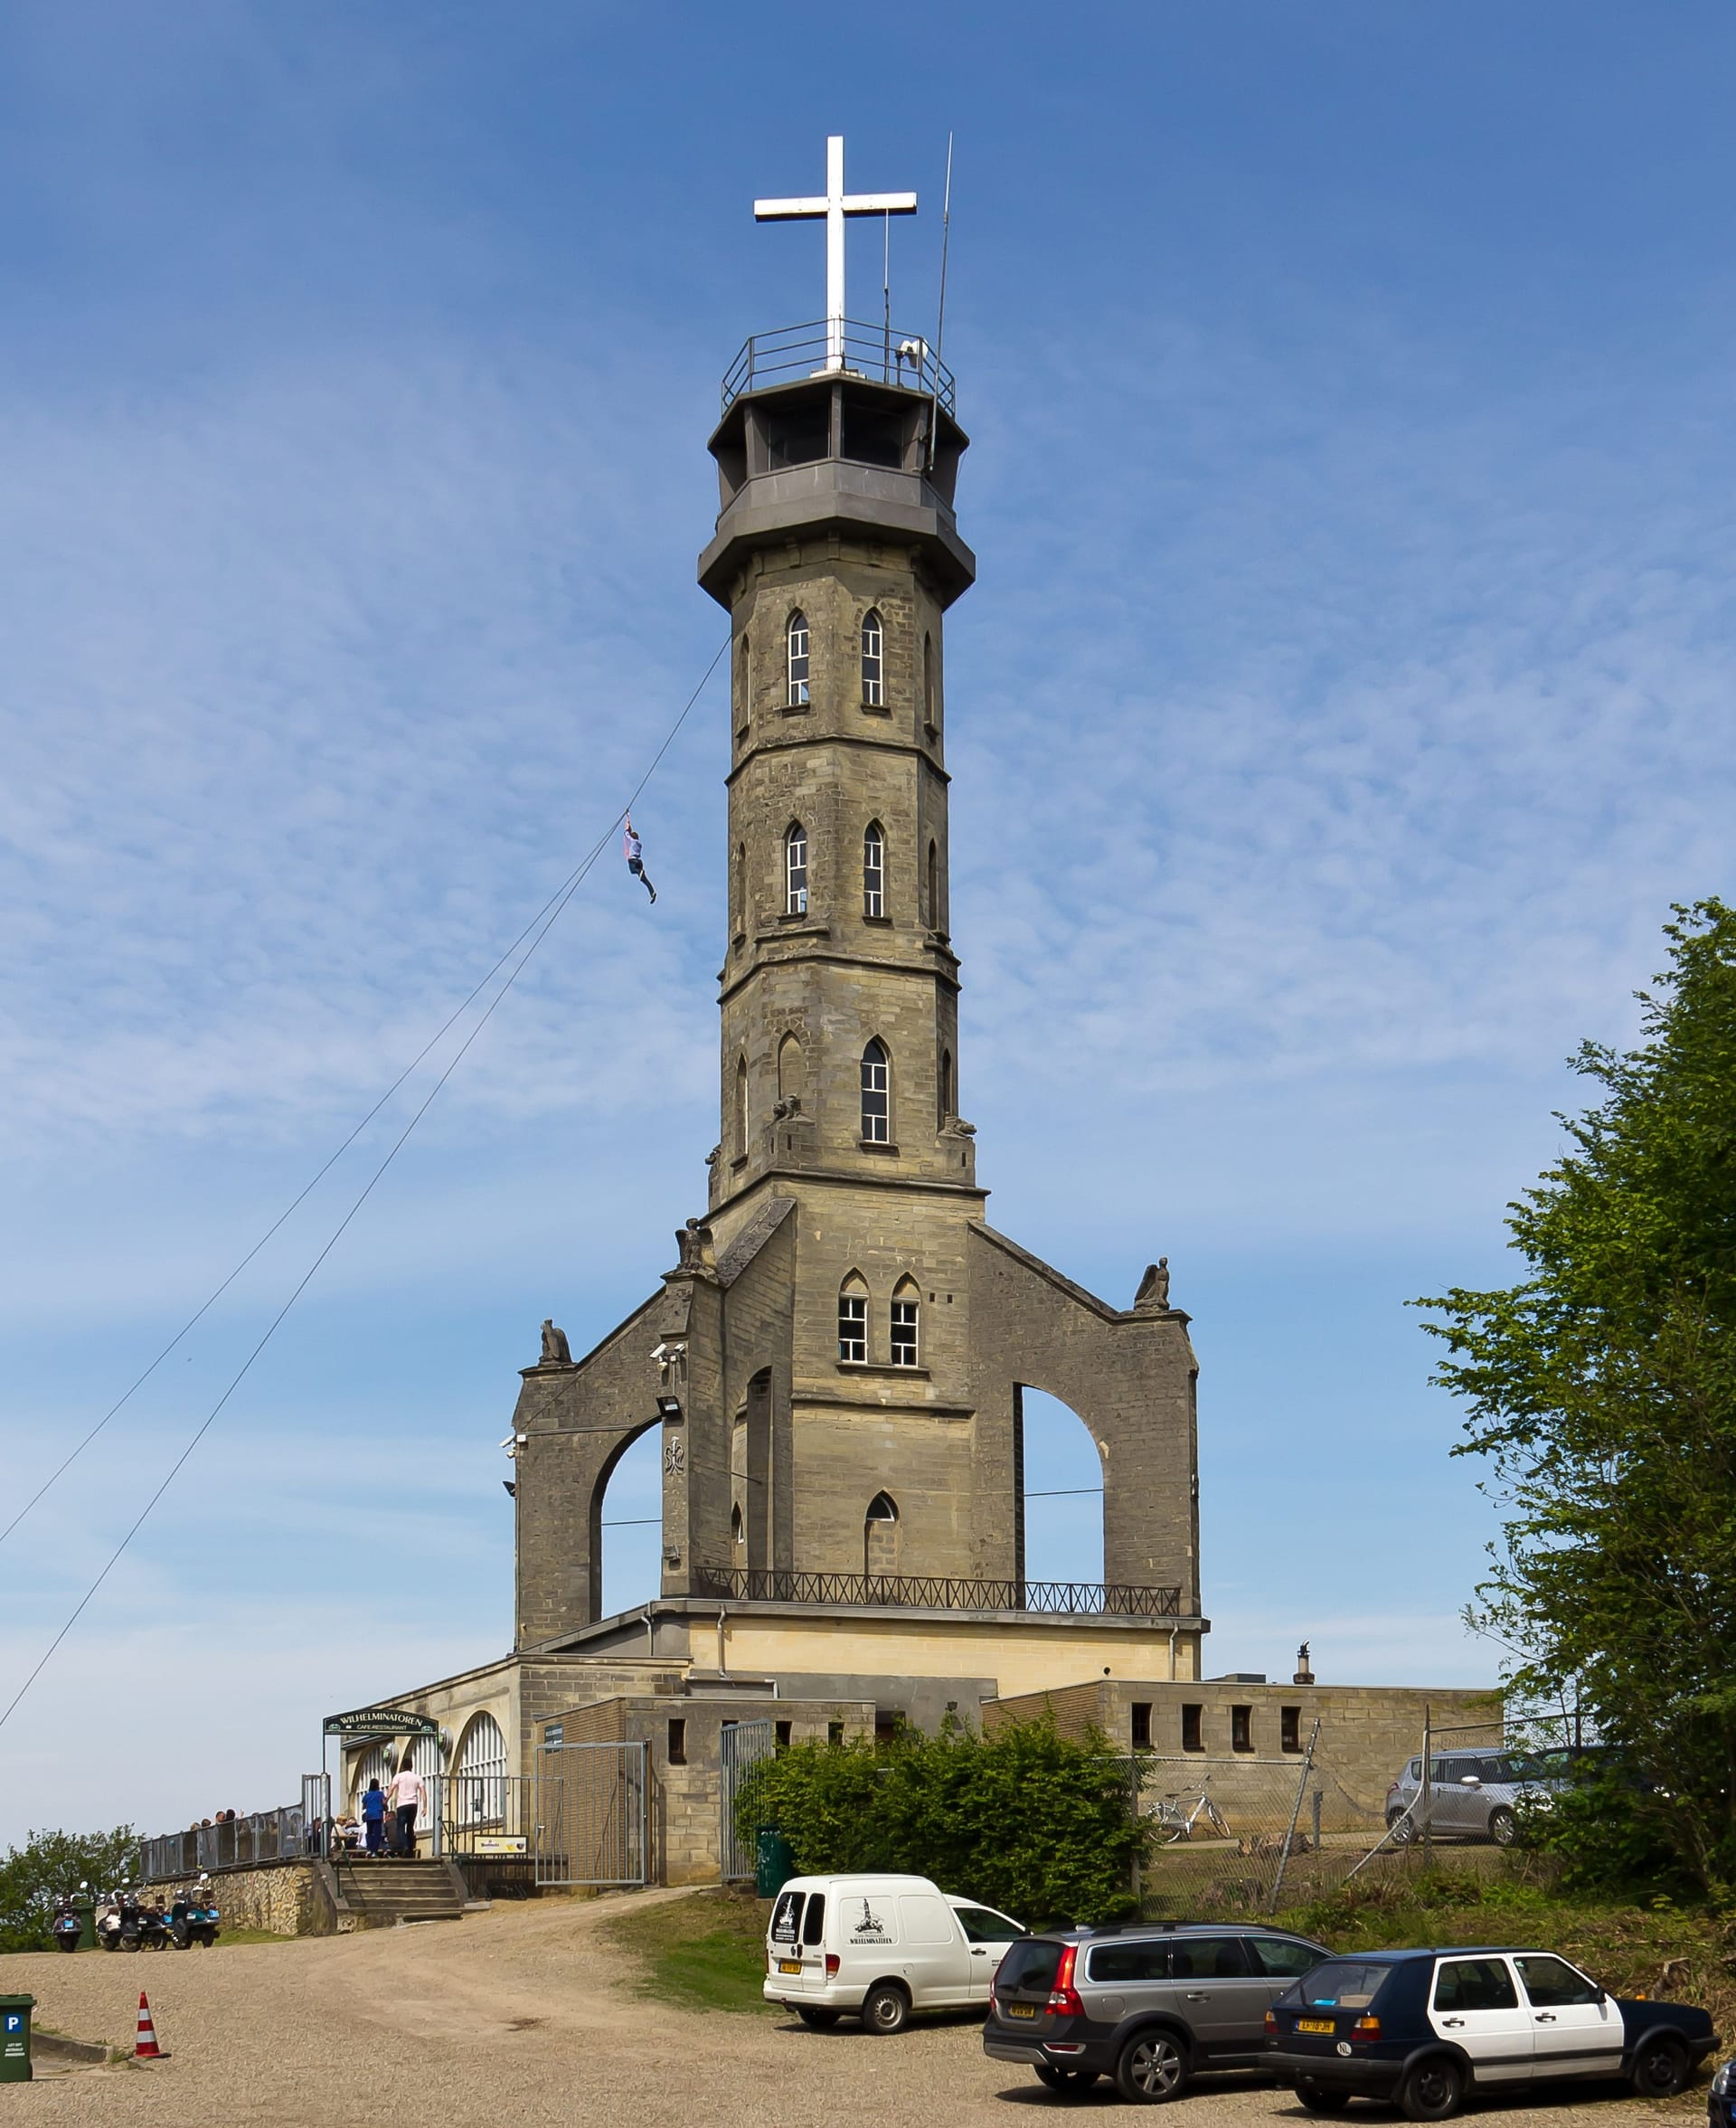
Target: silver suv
1148,2005
1471,1795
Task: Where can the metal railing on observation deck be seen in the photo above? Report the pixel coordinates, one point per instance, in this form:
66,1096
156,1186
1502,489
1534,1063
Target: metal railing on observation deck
1047,1599
876,352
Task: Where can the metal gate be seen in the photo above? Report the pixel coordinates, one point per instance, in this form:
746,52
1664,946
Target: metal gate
743,1745
590,1819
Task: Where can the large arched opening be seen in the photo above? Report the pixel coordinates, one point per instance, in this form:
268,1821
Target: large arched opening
626,1526
1058,1506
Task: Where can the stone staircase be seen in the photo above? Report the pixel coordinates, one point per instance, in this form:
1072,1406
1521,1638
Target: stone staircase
380,1894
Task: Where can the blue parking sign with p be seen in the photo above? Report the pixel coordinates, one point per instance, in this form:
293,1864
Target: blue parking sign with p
15,2022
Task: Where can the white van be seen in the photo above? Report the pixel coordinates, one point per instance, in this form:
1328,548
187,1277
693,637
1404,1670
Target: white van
878,1947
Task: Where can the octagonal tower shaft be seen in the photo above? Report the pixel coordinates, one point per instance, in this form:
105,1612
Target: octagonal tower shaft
836,554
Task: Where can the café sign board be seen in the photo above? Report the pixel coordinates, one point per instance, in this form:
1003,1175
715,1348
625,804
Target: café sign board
379,1721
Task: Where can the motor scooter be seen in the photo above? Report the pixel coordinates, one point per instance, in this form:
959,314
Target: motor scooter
193,1917
153,1927
67,1924
118,1921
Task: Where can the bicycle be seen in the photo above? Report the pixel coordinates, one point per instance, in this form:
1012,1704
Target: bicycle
1178,1822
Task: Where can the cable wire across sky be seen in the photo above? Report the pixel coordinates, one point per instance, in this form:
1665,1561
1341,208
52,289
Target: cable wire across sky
534,931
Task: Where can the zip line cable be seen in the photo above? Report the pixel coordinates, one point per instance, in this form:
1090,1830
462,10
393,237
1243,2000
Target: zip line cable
540,927
456,1014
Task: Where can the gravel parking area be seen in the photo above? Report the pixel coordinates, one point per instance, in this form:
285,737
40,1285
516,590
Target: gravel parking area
523,2015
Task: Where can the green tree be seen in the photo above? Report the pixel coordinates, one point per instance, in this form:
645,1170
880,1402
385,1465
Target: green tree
48,1864
1603,1390
1038,1824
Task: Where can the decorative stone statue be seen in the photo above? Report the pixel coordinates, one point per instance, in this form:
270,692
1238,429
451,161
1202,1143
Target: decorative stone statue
697,1250
1153,1288
556,1351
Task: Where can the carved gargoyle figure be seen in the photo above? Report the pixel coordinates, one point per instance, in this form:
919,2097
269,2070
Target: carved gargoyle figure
556,1351
1153,1288
695,1244
959,1127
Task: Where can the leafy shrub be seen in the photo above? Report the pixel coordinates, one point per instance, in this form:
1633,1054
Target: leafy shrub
33,1876
1035,1823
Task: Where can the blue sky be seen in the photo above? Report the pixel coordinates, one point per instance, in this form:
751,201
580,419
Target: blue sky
1344,699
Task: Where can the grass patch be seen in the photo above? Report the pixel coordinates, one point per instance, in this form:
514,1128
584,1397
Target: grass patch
1675,1953
707,1952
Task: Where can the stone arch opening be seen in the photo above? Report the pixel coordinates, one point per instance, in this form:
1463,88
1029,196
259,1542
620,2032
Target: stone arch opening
626,1524
791,1069
880,1536
1059,1477
480,1768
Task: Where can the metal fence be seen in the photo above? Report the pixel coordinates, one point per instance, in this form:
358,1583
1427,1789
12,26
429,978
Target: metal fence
237,1843
742,1746
1052,1599
793,352
591,1819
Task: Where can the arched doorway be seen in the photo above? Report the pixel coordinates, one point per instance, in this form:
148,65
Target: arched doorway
1059,1504
629,1525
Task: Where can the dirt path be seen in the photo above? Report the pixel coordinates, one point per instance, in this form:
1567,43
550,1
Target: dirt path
525,2015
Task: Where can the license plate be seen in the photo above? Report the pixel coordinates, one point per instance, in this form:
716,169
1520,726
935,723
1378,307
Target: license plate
1021,2009
790,1965
1316,2024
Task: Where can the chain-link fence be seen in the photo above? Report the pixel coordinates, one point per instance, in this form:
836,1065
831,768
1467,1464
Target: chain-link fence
1246,1835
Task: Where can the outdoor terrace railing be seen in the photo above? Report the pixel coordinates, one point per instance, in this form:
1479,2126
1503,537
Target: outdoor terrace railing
1050,1599
876,351
267,1835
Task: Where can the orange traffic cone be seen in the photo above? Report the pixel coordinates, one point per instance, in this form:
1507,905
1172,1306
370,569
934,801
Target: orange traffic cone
147,2048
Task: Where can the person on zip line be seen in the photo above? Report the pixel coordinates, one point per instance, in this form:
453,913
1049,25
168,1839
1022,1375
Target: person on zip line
634,850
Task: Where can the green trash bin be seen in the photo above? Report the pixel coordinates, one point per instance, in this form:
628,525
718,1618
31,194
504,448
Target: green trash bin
86,1910
15,2038
775,1863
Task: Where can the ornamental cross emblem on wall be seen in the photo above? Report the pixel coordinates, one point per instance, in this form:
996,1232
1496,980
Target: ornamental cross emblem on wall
674,1458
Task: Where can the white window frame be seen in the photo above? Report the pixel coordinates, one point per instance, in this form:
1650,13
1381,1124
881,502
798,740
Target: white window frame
795,870
852,1326
796,661
906,1346
874,660
876,1085
873,870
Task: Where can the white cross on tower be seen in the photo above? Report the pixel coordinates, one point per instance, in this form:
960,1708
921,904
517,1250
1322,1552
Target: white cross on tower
832,209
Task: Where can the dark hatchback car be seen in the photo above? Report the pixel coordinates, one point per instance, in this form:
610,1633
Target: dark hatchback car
1149,2005
1425,2029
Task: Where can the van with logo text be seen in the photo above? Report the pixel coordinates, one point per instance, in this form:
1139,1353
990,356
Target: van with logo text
878,1948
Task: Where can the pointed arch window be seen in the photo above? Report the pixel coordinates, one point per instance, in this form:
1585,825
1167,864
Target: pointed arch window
930,698
876,1094
738,925
853,1319
880,1536
741,1108
796,661
790,1075
945,1089
874,871
873,660
738,1528
743,686
906,1306
795,870
933,887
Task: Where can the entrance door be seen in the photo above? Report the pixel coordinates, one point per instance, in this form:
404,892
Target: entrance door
1219,1994
1477,2006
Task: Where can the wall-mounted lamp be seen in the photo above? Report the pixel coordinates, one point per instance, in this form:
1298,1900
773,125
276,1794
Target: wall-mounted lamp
672,1554
511,1490
669,1407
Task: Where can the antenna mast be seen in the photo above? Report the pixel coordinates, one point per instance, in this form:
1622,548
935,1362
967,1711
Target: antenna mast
940,320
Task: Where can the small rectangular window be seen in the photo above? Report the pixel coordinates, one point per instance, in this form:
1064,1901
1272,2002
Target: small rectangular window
904,1333
834,1732
781,1734
1241,1729
677,1741
1142,1725
813,1920
554,1735
1192,1729
852,1326
1290,1729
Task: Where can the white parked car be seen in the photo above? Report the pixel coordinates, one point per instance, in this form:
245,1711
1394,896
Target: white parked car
880,1947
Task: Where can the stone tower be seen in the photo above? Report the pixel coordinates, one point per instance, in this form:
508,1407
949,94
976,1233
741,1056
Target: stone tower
836,1362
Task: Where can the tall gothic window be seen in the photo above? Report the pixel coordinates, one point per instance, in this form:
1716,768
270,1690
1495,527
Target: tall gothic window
744,689
880,1536
795,659
740,897
874,871
945,1087
873,661
906,1301
789,1069
929,700
876,1094
853,1319
741,1108
934,887
795,870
